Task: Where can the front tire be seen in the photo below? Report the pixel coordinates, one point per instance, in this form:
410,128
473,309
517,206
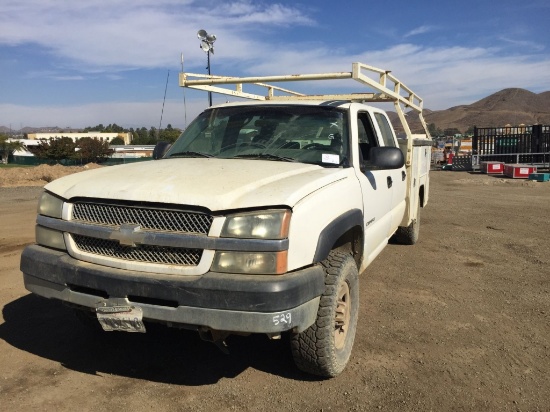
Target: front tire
325,347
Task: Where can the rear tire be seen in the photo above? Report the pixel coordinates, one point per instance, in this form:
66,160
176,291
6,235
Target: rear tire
325,347
409,235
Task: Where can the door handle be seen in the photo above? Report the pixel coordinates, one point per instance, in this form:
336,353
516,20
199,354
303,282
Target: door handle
403,175
390,181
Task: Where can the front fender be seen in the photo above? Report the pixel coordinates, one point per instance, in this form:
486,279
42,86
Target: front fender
335,230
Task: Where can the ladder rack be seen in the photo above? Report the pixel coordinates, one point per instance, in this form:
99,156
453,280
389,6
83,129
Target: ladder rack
399,94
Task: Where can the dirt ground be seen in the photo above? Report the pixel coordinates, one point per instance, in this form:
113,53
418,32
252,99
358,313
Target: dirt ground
460,321
38,175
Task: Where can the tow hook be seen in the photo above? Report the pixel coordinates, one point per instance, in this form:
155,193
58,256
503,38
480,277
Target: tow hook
216,337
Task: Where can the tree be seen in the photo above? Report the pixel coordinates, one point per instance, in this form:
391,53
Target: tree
451,131
434,131
98,128
114,128
169,134
117,141
8,147
153,133
111,128
55,150
141,137
92,150
143,133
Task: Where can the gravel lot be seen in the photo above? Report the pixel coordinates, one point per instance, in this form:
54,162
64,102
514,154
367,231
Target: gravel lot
460,321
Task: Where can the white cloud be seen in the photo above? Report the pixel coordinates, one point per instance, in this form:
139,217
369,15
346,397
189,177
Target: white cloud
69,78
419,30
114,34
442,76
525,44
272,14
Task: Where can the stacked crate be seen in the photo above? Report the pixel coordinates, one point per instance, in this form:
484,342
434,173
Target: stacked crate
492,168
519,171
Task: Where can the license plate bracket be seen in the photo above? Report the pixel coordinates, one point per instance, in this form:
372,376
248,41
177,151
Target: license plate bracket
124,318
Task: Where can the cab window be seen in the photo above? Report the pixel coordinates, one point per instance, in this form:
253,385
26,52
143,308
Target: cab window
366,134
385,130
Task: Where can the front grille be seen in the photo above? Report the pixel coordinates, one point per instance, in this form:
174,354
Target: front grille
141,253
147,218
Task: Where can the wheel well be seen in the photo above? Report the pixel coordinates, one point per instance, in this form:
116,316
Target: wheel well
345,233
351,242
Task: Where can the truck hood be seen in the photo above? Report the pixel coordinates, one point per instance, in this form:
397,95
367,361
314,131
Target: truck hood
217,184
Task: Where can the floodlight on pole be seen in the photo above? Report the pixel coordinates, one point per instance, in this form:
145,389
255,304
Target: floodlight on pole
207,45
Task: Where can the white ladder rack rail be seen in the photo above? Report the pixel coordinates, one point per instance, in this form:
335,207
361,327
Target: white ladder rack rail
383,93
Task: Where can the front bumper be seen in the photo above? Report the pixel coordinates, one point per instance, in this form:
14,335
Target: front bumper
220,301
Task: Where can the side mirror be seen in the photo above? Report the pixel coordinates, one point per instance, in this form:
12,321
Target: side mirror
160,149
386,158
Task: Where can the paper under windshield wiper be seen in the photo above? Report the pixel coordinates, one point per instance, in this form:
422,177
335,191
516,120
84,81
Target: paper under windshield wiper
190,153
264,156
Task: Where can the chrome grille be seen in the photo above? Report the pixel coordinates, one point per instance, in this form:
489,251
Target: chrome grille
141,253
147,218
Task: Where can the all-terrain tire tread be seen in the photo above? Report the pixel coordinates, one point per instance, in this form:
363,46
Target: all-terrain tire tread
311,348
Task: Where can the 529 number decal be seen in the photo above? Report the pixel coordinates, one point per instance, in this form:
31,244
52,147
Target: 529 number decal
282,318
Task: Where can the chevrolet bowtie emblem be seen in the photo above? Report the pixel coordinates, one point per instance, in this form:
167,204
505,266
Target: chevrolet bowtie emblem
128,235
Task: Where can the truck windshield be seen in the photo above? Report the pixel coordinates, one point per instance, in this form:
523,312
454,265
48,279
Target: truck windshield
299,133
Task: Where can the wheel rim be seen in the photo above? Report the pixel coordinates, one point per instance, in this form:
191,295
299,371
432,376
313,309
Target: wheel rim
342,318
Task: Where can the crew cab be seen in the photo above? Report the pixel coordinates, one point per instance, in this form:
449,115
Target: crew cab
258,219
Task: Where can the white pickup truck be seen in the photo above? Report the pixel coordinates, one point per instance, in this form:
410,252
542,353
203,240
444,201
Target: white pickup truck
258,219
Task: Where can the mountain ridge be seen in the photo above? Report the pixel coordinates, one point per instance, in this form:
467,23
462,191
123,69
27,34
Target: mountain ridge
510,106
513,106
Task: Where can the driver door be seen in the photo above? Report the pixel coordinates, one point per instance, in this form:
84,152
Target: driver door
376,190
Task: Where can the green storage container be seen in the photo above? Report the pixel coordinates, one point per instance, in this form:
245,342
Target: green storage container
540,177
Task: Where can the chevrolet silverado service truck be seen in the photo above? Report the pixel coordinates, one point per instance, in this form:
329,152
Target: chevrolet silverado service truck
258,219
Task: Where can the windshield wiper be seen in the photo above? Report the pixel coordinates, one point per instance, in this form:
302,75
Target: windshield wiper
264,156
190,153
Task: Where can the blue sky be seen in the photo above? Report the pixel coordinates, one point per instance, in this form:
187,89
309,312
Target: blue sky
75,63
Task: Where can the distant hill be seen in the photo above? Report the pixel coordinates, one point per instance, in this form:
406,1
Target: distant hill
508,106
54,129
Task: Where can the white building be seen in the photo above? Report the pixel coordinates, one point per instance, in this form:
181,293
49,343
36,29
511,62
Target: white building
131,152
119,151
26,144
104,137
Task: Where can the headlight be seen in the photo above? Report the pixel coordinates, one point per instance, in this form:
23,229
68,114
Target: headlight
254,263
270,224
50,238
267,225
50,205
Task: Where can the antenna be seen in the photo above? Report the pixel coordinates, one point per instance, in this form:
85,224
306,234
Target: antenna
162,112
184,102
